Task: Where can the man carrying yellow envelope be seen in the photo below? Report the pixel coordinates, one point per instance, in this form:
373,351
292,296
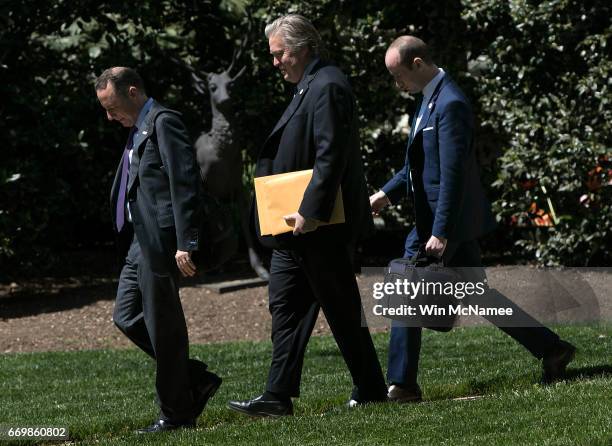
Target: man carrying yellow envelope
312,207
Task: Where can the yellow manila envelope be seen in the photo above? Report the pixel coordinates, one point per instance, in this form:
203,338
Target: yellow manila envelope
280,195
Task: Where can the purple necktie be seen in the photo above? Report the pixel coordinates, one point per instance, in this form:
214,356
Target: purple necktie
125,168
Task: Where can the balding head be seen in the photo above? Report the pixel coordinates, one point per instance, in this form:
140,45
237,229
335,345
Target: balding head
409,48
121,93
122,79
409,62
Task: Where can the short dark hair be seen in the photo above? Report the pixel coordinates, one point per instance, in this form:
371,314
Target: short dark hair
122,79
410,47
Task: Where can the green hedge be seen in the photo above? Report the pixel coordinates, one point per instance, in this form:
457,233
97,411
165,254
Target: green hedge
543,81
537,73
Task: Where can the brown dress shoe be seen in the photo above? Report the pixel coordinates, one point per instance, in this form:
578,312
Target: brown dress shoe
401,394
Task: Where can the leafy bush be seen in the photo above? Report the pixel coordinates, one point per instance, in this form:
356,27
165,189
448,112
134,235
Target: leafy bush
59,153
537,73
542,76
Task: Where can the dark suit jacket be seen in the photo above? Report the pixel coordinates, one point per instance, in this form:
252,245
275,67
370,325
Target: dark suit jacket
162,189
449,200
319,131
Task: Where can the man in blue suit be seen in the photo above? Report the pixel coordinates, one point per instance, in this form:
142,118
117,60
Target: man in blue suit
451,210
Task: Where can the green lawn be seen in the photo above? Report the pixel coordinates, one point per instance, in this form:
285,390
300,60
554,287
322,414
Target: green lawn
104,395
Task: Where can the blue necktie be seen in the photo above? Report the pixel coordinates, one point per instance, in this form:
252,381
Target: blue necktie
125,167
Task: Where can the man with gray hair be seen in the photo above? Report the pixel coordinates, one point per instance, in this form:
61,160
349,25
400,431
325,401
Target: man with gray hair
312,267
154,211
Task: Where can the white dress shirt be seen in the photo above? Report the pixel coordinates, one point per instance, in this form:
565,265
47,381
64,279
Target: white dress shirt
144,111
427,92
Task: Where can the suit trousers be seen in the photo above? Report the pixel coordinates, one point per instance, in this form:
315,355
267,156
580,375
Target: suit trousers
301,282
148,311
405,342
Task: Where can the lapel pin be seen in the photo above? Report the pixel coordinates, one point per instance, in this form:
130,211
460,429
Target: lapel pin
301,91
144,132
430,105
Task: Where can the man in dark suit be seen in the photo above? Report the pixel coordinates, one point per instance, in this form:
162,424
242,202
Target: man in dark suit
154,207
312,267
451,211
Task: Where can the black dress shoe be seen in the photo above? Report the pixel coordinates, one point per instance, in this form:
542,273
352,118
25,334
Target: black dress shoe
258,407
204,390
554,364
163,426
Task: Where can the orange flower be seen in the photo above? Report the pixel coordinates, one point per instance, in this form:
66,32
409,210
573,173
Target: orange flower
538,216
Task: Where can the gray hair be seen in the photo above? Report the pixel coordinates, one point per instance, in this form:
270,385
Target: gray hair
297,32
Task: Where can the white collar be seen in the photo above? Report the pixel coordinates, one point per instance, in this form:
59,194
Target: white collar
431,86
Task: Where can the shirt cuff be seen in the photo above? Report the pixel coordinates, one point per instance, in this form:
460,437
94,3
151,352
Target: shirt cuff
386,198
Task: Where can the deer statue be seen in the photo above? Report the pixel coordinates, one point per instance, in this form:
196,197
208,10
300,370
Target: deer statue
219,151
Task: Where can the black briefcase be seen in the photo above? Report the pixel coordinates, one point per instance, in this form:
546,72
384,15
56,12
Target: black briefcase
433,304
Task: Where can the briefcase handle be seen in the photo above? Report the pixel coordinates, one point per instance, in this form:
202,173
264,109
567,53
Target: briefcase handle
421,258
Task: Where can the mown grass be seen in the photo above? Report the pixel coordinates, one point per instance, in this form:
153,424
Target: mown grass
104,395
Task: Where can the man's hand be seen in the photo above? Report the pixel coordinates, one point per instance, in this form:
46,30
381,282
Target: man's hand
185,264
436,246
300,224
378,201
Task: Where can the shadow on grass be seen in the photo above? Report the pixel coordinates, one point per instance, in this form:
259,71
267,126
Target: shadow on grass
490,386
502,381
598,371
473,388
